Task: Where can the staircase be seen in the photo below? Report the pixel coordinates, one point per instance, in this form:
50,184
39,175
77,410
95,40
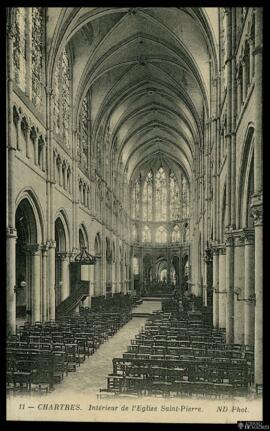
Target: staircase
69,304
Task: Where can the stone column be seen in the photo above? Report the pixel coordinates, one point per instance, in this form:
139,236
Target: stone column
104,263
257,200
215,287
229,289
222,288
64,275
52,246
257,212
91,285
249,315
44,283
36,285
11,280
11,230
239,273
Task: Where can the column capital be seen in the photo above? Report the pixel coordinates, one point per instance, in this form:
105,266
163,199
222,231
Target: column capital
11,232
229,240
239,240
239,237
222,249
249,236
215,250
63,255
51,244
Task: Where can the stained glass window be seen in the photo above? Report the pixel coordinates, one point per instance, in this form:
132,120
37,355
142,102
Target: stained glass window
19,48
66,96
56,99
185,198
146,234
176,234
36,55
174,198
161,195
83,153
147,197
161,234
62,98
136,199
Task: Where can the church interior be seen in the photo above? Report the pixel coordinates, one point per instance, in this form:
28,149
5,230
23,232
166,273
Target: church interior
134,200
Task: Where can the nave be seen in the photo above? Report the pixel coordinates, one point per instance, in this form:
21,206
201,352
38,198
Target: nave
134,172
171,352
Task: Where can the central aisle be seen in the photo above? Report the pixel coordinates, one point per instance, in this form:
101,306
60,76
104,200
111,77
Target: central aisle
92,374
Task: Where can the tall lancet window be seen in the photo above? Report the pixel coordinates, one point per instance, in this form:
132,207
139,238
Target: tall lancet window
19,48
185,198
56,99
36,55
147,198
62,98
84,133
66,97
161,195
146,234
161,235
175,198
136,195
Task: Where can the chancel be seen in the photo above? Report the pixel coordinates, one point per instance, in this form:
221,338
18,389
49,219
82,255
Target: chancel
134,201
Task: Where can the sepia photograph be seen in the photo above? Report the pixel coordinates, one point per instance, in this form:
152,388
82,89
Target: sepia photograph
134,159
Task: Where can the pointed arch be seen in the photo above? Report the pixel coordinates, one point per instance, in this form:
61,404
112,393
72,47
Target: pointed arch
35,205
83,236
62,216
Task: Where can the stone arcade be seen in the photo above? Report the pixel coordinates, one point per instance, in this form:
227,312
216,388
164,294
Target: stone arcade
136,133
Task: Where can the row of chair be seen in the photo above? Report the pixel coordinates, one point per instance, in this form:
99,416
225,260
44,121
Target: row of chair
171,356
41,354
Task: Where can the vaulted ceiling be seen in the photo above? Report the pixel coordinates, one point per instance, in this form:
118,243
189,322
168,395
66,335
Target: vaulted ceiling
148,71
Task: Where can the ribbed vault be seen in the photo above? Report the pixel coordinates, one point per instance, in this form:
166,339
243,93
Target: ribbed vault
148,71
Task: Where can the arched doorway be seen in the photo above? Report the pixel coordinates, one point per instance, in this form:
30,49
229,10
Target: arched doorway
25,222
162,270
60,262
